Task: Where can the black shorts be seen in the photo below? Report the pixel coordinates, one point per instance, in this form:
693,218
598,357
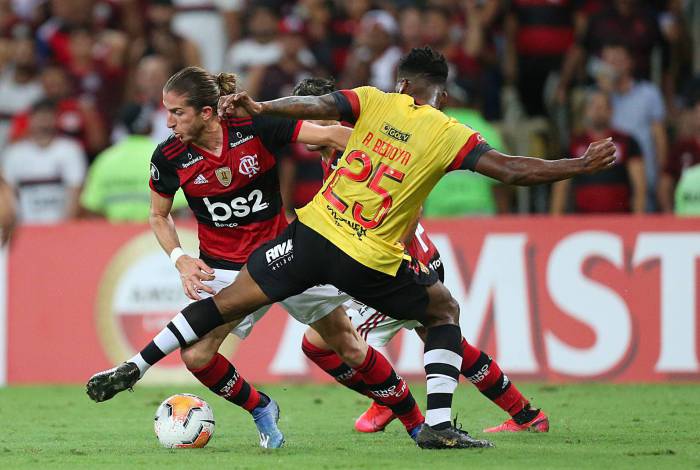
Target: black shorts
301,258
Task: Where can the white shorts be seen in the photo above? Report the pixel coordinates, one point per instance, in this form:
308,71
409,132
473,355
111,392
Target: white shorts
309,306
375,327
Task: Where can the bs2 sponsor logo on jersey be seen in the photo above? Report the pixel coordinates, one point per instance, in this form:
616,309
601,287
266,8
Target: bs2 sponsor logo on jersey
238,207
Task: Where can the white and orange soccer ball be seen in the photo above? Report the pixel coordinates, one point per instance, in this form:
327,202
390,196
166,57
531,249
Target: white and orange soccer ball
184,421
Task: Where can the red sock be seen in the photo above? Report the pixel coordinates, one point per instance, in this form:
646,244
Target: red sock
334,366
389,389
222,378
486,375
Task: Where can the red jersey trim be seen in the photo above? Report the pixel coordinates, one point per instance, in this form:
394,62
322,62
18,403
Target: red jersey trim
354,101
471,143
169,196
297,129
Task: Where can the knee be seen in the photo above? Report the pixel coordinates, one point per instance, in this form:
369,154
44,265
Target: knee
443,310
197,356
351,349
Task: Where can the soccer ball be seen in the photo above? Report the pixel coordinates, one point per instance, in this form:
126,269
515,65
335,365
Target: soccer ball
184,421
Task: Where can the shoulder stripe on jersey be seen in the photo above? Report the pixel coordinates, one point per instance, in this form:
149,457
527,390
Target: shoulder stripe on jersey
239,123
174,148
172,145
469,154
174,152
348,105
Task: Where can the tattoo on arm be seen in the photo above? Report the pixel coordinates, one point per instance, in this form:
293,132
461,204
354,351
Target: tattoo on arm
303,107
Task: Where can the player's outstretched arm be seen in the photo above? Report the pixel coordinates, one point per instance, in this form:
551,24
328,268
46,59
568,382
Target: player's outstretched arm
298,107
335,136
526,171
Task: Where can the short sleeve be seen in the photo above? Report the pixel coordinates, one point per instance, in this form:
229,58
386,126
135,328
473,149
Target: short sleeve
351,103
633,149
472,147
164,178
74,164
276,132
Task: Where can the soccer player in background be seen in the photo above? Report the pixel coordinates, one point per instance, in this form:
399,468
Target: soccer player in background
378,329
227,170
350,235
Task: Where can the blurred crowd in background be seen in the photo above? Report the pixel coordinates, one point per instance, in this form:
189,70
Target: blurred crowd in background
81,82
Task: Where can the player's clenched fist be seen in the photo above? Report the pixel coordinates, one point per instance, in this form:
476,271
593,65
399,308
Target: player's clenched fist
192,272
599,155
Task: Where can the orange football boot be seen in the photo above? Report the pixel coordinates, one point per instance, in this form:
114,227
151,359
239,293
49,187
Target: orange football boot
539,423
375,419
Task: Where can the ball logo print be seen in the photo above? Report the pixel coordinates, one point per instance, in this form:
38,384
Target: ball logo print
249,165
224,175
184,421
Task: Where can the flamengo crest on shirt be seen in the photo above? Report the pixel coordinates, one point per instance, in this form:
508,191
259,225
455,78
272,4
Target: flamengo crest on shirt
249,165
224,175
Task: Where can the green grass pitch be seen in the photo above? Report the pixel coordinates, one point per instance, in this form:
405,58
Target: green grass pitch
593,426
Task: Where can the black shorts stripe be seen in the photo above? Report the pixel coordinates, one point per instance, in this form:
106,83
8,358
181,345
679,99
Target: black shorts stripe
439,400
441,368
497,389
152,353
316,260
177,334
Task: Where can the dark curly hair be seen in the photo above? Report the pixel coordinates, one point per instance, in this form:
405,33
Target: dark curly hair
425,63
314,87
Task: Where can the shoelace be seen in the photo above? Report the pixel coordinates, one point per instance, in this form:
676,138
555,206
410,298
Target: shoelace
458,427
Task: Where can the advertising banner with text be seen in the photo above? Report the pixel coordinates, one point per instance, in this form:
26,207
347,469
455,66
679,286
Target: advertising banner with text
558,299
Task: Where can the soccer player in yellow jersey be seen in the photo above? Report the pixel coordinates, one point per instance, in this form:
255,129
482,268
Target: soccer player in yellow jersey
350,234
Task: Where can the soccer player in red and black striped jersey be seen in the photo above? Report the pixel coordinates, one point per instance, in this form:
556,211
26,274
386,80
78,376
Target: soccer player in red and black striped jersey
227,170
378,329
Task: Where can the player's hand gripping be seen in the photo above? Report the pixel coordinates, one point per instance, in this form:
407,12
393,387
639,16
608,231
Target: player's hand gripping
192,272
233,104
599,155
